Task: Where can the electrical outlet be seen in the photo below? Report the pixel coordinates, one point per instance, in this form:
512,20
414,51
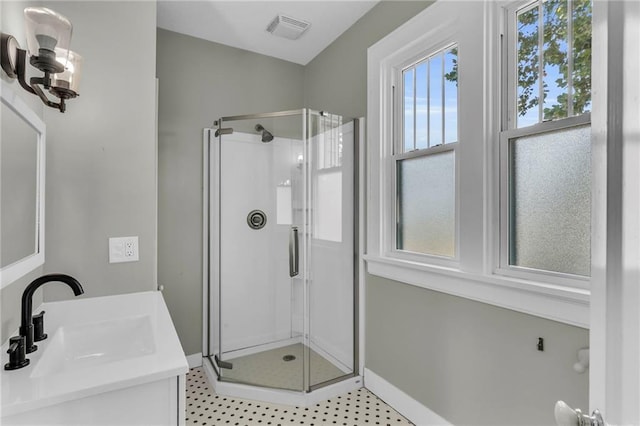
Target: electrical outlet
123,249
130,248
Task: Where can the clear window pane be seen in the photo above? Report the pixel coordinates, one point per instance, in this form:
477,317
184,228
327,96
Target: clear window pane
554,35
451,96
430,101
436,82
556,66
550,201
528,67
408,109
422,112
426,204
581,73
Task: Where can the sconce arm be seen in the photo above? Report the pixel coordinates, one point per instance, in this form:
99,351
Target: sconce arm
35,86
21,60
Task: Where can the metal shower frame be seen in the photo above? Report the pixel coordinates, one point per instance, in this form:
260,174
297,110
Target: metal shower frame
214,253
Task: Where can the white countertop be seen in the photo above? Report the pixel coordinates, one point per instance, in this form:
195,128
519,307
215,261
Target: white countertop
143,358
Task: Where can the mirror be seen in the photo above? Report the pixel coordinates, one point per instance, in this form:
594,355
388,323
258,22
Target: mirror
22,142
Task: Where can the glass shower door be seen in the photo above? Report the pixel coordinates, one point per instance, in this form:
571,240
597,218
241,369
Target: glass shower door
284,250
330,252
261,291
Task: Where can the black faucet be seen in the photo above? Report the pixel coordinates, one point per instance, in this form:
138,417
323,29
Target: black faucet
26,328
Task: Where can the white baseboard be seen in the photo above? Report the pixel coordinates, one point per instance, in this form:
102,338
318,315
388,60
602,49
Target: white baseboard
413,410
194,360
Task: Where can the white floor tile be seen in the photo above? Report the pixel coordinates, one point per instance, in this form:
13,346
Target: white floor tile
361,407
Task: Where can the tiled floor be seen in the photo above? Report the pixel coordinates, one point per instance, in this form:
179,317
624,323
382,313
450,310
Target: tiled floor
361,407
268,368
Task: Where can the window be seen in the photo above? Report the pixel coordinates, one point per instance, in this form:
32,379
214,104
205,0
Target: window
478,167
425,155
553,60
327,131
545,145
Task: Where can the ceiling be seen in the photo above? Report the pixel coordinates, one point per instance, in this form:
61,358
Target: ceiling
243,24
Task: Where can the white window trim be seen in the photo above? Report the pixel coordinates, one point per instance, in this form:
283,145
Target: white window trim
475,275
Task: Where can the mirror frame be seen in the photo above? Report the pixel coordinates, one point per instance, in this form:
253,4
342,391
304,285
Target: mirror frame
21,267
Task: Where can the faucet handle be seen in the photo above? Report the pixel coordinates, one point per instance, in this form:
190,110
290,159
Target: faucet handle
17,354
38,327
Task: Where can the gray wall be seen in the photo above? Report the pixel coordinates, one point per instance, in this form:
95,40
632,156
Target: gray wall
336,79
101,153
470,362
201,81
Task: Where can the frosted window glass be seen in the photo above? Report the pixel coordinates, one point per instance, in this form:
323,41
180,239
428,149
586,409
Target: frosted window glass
426,204
550,201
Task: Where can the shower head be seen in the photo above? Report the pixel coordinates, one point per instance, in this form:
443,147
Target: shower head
266,135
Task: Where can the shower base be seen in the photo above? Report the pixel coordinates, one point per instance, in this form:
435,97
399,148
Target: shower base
267,370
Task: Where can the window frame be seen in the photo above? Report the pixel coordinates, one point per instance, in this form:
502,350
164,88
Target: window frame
473,275
510,131
398,154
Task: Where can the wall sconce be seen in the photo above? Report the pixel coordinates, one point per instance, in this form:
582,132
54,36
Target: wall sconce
48,37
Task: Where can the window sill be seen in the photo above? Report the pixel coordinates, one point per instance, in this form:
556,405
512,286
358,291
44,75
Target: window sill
563,304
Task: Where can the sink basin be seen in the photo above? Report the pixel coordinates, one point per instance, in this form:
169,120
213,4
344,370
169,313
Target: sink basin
81,346
95,346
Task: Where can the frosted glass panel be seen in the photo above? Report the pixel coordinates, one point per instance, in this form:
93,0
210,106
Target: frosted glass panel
426,204
550,201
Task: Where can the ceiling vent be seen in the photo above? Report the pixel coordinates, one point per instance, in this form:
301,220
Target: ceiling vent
288,27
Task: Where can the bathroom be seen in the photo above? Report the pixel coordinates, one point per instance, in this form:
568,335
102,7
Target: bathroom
126,159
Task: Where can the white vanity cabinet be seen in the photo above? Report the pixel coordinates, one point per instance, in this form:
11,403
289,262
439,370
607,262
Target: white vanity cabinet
157,403
113,360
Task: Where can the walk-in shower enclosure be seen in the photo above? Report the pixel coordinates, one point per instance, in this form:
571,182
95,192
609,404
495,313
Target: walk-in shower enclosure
281,251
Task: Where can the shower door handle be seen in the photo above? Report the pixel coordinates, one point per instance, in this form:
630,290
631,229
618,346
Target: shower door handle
294,258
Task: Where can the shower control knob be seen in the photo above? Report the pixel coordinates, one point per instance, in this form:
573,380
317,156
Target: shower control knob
256,219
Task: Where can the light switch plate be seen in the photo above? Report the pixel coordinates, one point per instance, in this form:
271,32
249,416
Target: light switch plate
123,249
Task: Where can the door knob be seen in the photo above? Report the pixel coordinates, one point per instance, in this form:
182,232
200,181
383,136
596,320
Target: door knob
567,416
